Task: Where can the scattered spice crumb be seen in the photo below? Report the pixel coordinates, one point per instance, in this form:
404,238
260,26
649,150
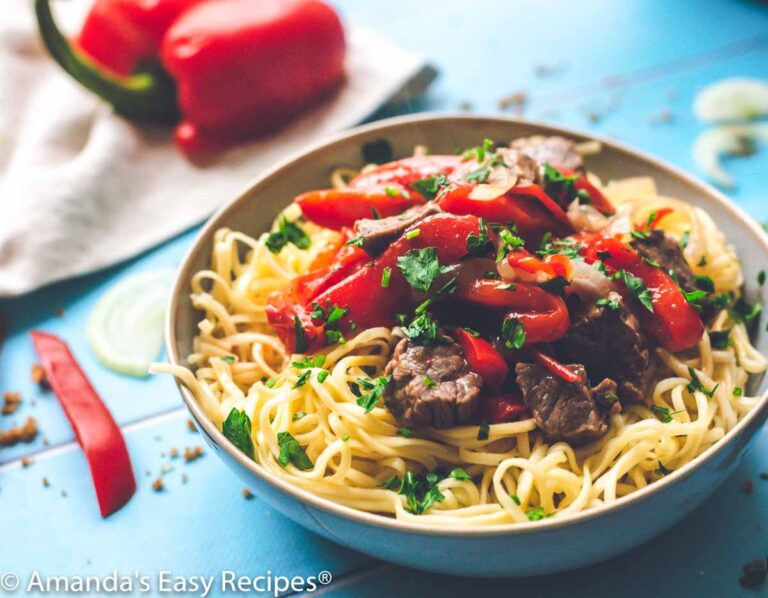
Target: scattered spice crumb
46,442
11,402
672,94
26,462
665,115
247,494
184,478
192,454
39,377
614,81
165,469
58,312
549,70
515,100
173,453
158,438
466,106
64,494
764,475
26,433
191,426
747,486
33,403
158,485
46,483
754,573
162,455
148,473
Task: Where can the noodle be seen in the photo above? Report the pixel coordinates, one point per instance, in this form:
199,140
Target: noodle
515,470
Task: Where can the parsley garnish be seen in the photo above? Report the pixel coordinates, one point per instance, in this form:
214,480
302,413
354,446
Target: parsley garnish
237,429
322,376
705,283
430,187
423,330
555,285
516,499
459,474
300,335
609,303
405,432
661,470
479,245
664,413
420,267
510,242
412,234
478,153
287,232
513,333
291,452
738,391
480,175
428,382
271,383
356,241
334,336
302,379
345,438
386,275
720,339
420,492
702,261
695,384
392,483
309,362
746,312
557,184
298,415
685,239
391,191
375,390
637,288
471,331
537,514
483,431
567,247
230,359
693,296
761,277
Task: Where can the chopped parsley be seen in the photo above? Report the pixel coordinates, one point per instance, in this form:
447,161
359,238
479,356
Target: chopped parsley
302,379
720,339
513,333
430,187
516,499
391,191
557,184
510,242
555,285
405,432
702,261
356,241
271,383
746,312
291,452
480,244
471,331
392,483
309,362
420,491
298,415
661,470
483,431
609,303
738,391
638,289
420,267
695,384
705,283
566,247
428,382
375,389
459,474
345,438
423,330
412,234
761,277
537,514
237,429
664,413
694,296
230,359
331,315
300,335
386,276
287,232
334,336
322,376
478,153
684,240
375,213
480,175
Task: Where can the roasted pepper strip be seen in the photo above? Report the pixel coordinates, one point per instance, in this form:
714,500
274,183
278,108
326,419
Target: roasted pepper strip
528,207
340,208
500,408
482,358
544,316
405,172
96,432
674,323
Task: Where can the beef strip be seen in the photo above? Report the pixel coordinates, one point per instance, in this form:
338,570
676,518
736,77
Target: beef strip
665,251
378,234
570,411
610,344
554,150
432,386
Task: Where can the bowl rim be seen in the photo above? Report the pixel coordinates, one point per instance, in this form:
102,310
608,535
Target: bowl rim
181,291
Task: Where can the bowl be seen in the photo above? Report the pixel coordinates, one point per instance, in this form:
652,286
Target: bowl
545,546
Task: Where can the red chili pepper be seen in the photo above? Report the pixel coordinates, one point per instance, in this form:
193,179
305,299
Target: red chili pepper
674,323
405,172
482,358
96,432
531,210
544,316
600,201
231,68
554,366
506,407
339,208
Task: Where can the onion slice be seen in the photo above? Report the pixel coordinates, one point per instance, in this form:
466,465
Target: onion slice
732,140
732,100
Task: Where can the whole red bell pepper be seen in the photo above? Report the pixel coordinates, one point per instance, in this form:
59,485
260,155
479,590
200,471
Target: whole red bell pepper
339,208
482,358
674,323
231,69
527,206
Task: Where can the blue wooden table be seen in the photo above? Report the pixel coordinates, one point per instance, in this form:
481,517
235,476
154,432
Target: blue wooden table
625,69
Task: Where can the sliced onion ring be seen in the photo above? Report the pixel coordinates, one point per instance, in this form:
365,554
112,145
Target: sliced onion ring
733,140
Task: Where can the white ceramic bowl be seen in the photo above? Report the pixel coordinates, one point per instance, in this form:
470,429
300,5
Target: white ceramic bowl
545,546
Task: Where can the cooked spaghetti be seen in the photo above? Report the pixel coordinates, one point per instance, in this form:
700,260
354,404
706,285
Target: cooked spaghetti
320,393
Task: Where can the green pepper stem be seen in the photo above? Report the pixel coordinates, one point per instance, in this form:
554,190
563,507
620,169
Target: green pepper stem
148,95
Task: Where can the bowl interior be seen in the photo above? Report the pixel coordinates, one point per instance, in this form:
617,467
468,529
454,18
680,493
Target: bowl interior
254,210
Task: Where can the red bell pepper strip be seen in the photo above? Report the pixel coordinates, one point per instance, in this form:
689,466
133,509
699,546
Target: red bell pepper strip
220,64
544,316
674,323
553,265
405,172
599,201
96,432
554,366
482,358
500,408
528,207
340,208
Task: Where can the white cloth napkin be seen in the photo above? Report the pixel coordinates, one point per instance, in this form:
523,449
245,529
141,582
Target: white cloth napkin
81,188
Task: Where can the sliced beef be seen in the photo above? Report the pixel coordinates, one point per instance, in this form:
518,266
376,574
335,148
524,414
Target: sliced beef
610,344
665,251
569,411
378,234
554,150
432,386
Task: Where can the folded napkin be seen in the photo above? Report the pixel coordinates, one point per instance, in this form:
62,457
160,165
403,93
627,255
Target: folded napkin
81,188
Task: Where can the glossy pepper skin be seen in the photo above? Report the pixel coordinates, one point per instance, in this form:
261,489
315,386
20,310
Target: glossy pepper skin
223,70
